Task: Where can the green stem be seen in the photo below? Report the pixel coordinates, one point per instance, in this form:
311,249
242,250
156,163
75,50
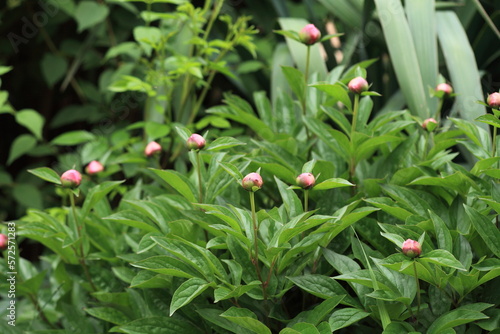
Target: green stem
200,184
306,200
81,256
255,256
306,80
354,115
494,144
418,289
384,316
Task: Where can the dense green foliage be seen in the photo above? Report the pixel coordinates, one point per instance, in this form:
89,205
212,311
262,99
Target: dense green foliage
172,243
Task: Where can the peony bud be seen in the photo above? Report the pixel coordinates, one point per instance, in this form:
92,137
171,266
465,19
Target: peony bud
445,88
411,248
71,178
4,241
358,85
309,35
494,100
429,124
196,142
152,148
306,180
252,182
94,167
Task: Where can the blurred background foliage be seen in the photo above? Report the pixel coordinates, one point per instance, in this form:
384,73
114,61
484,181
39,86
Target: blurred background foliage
90,69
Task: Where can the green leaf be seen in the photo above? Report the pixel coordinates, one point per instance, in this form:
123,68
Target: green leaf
290,200
337,91
323,287
457,51
132,218
53,68
346,317
316,315
88,14
223,293
332,183
179,182
46,174
489,119
223,143
246,319
166,265
73,138
403,55
32,120
97,193
423,32
186,292
213,315
21,145
389,206
442,258
158,325
295,79
457,317
486,229
108,314
442,232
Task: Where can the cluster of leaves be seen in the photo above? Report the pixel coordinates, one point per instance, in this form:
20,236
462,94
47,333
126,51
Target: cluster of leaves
173,243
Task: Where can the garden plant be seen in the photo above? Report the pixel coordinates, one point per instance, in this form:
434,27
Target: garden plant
291,167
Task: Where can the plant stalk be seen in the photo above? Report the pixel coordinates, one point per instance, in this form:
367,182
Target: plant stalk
418,289
81,256
255,256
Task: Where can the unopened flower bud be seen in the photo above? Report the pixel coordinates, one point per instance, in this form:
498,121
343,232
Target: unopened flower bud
309,35
494,100
152,148
196,142
71,178
358,85
429,124
306,180
445,88
411,248
4,241
94,167
252,182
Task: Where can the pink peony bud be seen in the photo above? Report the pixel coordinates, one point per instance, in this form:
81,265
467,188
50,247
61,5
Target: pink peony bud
309,35
494,100
445,88
252,182
411,248
196,142
152,148
358,85
306,180
71,178
94,167
429,124
4,241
